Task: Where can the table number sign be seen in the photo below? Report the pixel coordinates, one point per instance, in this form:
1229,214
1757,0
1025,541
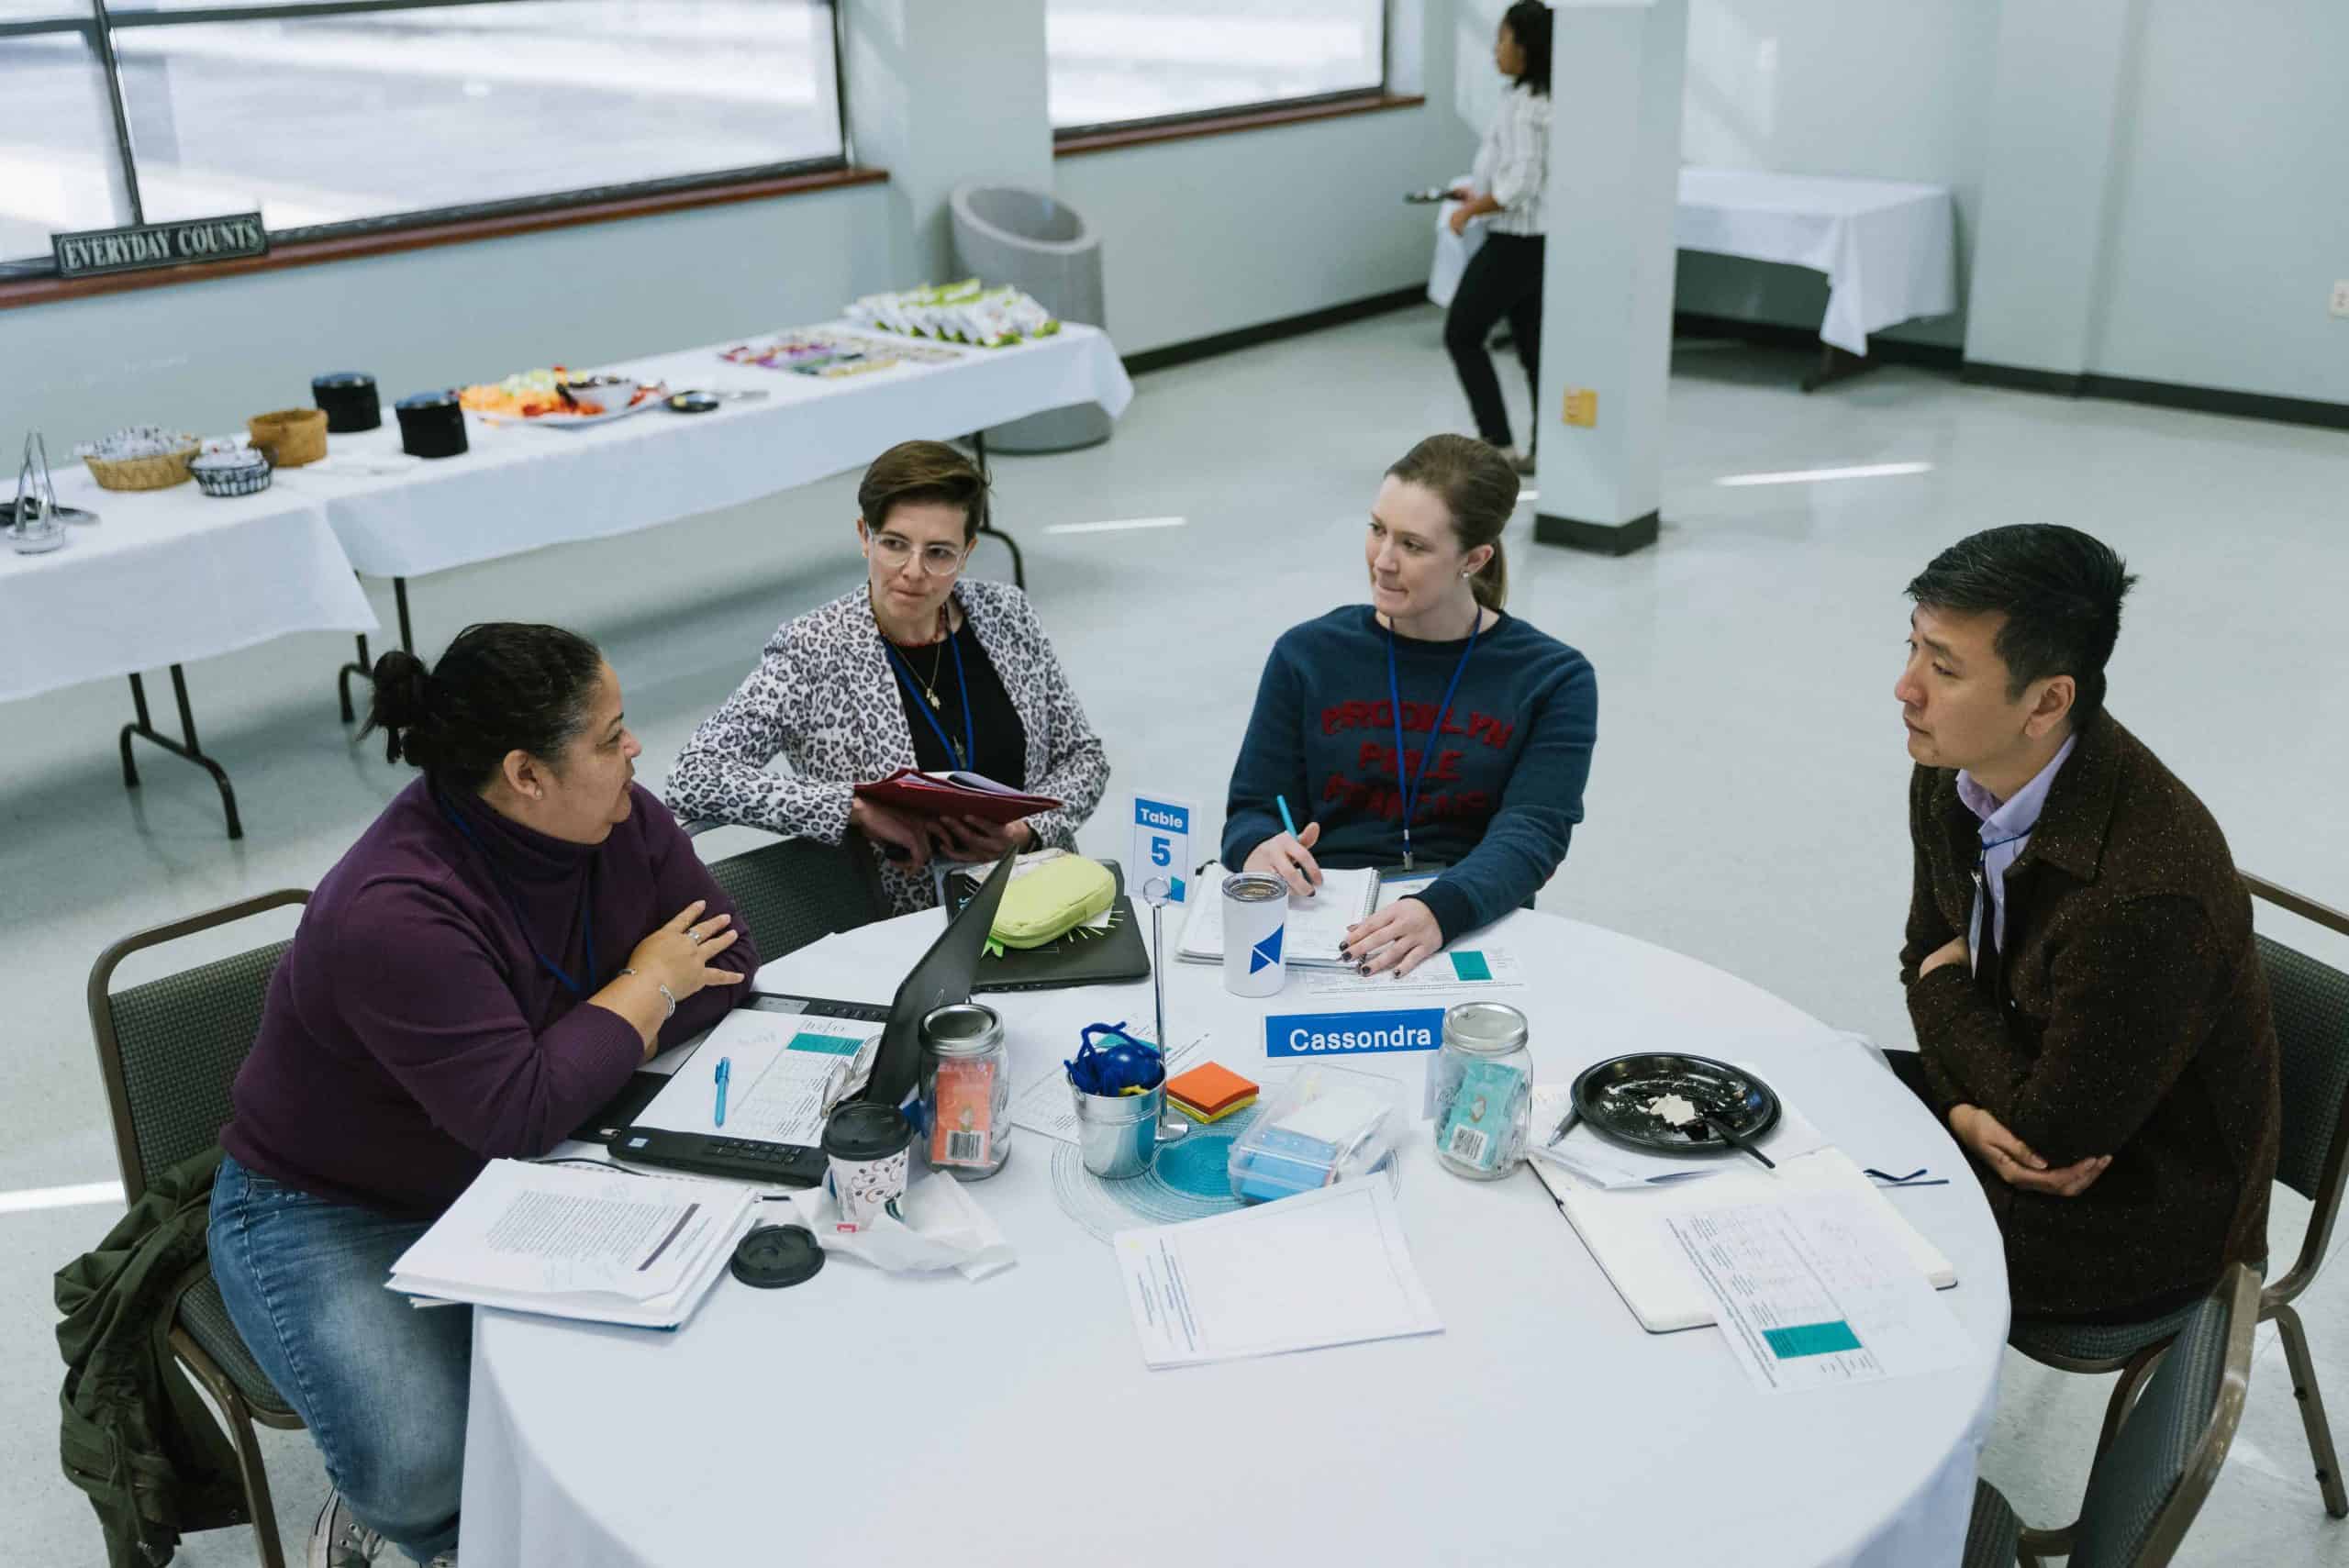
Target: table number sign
1162,844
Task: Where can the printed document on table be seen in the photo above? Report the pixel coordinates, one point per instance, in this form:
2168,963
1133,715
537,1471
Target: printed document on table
1474,969
1046,1104
1815,1292
1328,1267
785,1073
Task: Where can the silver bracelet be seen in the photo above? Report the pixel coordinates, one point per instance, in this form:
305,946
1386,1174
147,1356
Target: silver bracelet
666,996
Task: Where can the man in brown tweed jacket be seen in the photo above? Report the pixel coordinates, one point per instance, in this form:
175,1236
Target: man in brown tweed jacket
2091,1019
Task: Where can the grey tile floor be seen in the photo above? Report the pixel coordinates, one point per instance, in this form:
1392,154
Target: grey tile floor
1746,806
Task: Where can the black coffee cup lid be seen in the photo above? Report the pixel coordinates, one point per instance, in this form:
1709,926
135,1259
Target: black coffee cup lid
444,399
866,1131
342,378
773,1256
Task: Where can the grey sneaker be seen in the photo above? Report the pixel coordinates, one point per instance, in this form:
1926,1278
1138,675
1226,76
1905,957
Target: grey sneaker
1522,460
445,1560
339,1540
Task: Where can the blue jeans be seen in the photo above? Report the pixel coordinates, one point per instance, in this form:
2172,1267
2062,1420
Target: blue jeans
380,1384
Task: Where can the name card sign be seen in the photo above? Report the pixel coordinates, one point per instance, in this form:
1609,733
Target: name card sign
91,252
1353,1034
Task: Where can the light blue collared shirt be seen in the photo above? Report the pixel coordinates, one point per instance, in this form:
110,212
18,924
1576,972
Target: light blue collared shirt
2005,833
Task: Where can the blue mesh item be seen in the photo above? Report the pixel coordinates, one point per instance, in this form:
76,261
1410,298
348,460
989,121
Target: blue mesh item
1994,1532
205,1317
2134,1478
2310,1001
182,1039
1188,1181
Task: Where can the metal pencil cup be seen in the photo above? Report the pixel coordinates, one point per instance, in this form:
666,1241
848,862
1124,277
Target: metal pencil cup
1118,1135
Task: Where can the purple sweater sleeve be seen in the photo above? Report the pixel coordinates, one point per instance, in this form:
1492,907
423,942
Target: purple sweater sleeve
678,878
431,1002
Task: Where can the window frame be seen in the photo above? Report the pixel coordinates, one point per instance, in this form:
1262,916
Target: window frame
99,23
1101,135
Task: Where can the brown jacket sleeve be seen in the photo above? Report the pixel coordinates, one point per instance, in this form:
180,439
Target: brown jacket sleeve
1927,929
2135,992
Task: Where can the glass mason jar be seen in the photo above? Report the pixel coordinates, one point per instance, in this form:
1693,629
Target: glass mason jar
965,1091
1482,1091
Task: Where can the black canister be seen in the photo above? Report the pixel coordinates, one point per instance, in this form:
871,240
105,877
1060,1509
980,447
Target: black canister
347,398
432,424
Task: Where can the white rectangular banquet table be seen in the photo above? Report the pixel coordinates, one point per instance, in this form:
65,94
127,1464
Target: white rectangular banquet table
1889,247
163,578
117,598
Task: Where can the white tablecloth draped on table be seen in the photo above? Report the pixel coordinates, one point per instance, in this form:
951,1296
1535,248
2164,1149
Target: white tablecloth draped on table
167,577
863,1417
1889,248
520,488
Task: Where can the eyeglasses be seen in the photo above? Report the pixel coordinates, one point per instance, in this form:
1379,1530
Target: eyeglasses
938,559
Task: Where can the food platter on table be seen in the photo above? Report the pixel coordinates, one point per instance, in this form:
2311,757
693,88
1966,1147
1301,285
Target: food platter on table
558,398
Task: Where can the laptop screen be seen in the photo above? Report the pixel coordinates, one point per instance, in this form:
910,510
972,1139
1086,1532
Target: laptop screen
944,975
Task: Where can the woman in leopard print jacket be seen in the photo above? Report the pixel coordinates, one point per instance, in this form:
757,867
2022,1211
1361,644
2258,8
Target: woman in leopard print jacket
915,668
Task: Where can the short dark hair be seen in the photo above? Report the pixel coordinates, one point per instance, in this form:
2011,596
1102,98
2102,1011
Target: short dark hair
501,687
1529,22
2060,590
923,470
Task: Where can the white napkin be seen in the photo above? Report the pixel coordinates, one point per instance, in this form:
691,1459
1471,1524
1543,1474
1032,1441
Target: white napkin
944,1227
1604,1163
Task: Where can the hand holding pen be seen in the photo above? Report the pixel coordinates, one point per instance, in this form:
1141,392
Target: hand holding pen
1289,855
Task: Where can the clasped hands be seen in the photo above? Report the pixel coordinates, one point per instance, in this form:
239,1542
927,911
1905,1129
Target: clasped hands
2014,1162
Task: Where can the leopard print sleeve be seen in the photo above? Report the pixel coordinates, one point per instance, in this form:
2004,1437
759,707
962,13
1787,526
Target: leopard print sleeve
722,774
1076,765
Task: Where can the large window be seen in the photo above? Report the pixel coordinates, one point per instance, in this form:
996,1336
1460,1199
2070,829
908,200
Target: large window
1117,62
331,114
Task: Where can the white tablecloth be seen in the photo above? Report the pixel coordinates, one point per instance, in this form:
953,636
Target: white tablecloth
863,1418
167,577
519,488
1889,248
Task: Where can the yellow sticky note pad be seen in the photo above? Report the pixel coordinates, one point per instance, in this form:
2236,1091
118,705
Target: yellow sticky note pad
1582,406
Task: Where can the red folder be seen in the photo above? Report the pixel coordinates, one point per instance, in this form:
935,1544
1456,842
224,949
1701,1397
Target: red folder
954,794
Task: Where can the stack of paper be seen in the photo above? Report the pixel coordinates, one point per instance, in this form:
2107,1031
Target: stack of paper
1324,1268
572,1241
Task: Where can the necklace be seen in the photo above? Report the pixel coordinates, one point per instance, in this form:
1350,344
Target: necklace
937,658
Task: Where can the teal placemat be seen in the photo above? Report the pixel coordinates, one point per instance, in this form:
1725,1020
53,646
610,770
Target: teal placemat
1188,1181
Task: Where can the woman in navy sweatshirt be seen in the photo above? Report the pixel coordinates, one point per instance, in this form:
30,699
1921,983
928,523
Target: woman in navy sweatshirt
1427,728
521,929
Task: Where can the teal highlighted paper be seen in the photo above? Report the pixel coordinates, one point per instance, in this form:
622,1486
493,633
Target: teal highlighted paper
829,1044
1812,1340
1471,966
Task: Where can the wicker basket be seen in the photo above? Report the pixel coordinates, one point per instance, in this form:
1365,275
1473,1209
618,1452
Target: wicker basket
157,472
291,437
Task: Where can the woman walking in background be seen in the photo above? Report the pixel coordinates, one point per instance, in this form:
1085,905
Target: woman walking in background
1504,277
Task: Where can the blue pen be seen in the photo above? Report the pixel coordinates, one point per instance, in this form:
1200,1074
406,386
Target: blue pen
1290,825
725,1071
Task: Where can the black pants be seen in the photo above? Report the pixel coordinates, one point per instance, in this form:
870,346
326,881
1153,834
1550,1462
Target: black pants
1503,279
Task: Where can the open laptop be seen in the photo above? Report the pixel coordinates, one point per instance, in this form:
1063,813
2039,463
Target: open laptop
944,975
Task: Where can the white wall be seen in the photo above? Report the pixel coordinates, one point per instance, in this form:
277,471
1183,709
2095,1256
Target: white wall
2229,212
1890,91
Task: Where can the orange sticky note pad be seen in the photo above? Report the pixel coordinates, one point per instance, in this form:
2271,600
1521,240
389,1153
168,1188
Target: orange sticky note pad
1209,1090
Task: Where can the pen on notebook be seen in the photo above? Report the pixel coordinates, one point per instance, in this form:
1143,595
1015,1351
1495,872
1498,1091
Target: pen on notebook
725,1071
1290,823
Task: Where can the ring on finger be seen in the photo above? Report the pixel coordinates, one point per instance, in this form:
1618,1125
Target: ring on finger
695,932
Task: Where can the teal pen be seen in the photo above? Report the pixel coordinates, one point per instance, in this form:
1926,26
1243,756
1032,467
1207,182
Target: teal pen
1288,822
725,1071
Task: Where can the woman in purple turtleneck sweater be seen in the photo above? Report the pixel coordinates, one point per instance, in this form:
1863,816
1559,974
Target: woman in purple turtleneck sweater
519,931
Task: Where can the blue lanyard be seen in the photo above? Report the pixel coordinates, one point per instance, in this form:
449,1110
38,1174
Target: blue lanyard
1410,783
970,735
513,902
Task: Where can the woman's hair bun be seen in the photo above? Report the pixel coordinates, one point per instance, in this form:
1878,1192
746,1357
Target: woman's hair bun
402,704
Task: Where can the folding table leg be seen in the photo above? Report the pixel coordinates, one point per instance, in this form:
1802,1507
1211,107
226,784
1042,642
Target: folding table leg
365,668
186,748
1834,364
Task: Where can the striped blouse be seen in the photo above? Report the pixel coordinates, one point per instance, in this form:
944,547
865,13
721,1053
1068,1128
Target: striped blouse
1513,163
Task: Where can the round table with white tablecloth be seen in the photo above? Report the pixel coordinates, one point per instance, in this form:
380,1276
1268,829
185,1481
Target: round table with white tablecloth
869,1417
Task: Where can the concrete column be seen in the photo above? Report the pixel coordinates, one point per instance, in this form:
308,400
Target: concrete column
1616,77
941,92
2057,103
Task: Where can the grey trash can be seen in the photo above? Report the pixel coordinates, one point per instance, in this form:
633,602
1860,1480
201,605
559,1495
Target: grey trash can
1032,242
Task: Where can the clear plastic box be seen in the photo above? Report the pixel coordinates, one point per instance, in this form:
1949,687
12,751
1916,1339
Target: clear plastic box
1325,1125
